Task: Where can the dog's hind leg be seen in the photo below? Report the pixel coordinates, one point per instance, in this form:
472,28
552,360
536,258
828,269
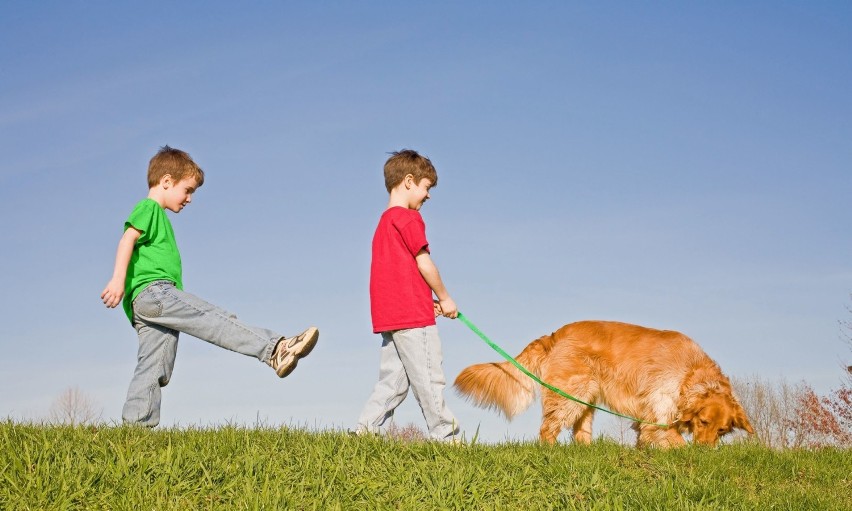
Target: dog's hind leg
551,423
553,416
582,427
559,412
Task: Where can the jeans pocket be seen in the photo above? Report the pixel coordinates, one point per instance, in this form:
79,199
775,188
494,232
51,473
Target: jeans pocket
148,304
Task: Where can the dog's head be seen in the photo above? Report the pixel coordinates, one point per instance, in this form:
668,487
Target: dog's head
710,415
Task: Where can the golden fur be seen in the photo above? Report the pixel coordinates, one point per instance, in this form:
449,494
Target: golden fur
658,376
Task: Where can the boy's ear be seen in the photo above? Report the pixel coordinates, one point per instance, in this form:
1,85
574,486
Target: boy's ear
166,181
408,180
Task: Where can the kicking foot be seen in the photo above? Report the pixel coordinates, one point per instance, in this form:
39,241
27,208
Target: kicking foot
289,350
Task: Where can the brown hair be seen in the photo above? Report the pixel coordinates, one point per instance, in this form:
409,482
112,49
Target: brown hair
173,162
407,161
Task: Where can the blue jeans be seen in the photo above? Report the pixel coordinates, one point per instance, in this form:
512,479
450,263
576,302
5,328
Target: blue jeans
410,358
160,313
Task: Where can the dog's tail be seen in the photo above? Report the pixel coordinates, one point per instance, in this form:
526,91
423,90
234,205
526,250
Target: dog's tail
500,385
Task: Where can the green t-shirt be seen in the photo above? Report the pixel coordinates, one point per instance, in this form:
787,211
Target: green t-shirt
155,256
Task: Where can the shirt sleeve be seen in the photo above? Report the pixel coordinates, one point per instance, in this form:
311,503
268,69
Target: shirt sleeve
142,219
413,234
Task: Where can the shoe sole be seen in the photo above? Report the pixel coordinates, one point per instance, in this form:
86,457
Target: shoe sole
303,346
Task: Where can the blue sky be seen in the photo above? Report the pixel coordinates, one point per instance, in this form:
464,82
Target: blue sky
683,166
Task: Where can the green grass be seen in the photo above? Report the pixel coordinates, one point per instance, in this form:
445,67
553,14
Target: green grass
45,467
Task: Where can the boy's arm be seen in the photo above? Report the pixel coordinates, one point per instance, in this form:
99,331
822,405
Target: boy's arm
430,274
114,290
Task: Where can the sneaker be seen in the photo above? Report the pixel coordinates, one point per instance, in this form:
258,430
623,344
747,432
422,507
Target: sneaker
289,350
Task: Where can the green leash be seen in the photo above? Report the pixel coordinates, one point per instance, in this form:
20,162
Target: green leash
535,378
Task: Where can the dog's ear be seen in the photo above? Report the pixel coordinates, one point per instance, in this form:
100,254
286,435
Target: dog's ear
741,421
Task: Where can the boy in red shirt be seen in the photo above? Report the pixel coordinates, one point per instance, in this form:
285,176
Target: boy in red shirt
402,280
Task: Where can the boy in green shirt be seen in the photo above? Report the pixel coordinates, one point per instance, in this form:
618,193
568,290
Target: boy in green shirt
147,281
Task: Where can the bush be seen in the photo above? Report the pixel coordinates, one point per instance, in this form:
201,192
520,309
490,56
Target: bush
793,416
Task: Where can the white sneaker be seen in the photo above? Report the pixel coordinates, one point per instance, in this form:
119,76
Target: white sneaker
289,350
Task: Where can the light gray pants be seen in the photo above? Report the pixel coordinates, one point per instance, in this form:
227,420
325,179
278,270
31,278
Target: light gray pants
160,313
410,358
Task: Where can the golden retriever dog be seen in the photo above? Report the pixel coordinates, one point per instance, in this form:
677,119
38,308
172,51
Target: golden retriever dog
658,376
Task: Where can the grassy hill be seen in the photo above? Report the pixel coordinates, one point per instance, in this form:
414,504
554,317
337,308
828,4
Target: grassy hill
102,467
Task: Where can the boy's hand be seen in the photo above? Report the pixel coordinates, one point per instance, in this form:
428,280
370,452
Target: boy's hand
113,293
448,308
114,290
438,311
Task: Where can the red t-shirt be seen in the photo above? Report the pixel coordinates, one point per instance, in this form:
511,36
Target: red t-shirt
399,296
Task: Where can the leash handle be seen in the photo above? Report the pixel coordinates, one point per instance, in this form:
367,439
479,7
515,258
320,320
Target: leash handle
498,349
